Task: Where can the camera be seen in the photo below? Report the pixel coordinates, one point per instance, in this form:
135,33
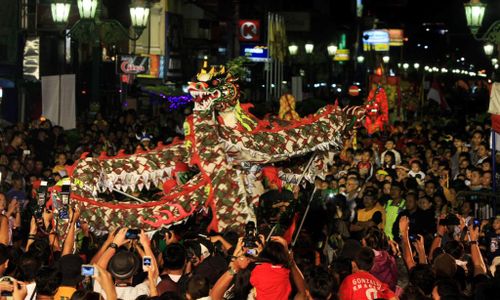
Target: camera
250,238
413,238
88,270
476,223
65,193
132,234
41,200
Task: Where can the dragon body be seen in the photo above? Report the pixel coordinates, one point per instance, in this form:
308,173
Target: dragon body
227,144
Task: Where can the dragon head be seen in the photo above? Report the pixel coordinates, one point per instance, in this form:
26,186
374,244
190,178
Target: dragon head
215,89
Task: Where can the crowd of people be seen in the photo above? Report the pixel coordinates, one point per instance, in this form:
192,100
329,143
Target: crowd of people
407,213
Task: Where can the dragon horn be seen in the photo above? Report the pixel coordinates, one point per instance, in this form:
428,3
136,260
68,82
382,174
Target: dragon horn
212,72
222,70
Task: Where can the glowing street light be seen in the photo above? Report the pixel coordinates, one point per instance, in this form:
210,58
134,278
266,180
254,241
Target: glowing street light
416,66
386,59
309,47
406,66
360,59
488,49
474,12
293,49
60,11
332,49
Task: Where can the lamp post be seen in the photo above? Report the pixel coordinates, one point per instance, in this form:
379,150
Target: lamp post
90,22
474,12
360,59
331,49
386,59
309,47
90,27
416,66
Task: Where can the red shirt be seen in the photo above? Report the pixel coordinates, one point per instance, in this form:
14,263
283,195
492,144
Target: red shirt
363,285
271,282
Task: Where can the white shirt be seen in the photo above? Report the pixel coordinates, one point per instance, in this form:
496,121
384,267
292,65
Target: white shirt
125,292
31,289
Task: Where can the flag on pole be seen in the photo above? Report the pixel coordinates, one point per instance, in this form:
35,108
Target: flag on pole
435,93
494,108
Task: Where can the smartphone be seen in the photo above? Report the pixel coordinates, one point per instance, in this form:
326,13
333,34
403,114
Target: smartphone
65,193
251,252
63,213
89,270
42,191
132,234
413,238
26,152
146,262
477,223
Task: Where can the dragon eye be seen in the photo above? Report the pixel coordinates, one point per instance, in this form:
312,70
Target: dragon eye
215,82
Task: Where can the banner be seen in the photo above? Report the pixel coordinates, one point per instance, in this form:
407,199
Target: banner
148,66
396,37
58,100
31,59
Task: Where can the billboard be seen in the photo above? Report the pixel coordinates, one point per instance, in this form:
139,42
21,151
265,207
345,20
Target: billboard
254,53
376,39
146,66
396,37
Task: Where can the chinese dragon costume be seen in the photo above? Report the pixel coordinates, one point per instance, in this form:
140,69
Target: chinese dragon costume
227,144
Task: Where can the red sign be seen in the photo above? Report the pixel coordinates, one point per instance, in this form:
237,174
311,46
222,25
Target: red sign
249,30
354,90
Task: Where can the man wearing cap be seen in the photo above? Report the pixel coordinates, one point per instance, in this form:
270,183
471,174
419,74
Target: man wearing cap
123,265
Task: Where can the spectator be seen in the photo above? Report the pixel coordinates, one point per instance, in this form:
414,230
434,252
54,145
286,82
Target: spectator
361,284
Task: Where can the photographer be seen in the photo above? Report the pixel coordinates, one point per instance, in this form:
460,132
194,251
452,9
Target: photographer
123,264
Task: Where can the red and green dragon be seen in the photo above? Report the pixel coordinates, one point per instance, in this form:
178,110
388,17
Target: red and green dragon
227,144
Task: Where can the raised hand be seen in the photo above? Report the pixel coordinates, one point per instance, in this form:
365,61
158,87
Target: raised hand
404,225
119,238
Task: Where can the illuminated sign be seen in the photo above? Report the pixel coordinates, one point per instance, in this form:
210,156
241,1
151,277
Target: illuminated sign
31,59
396,37
255,53
249,30
148,66
377,40
341,55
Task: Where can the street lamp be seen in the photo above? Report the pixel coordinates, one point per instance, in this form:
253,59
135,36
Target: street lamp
406,66
386,59
416,66
309,47
60,11
87,9
474,12
332,49
488,49
293,49
494,61
360,59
